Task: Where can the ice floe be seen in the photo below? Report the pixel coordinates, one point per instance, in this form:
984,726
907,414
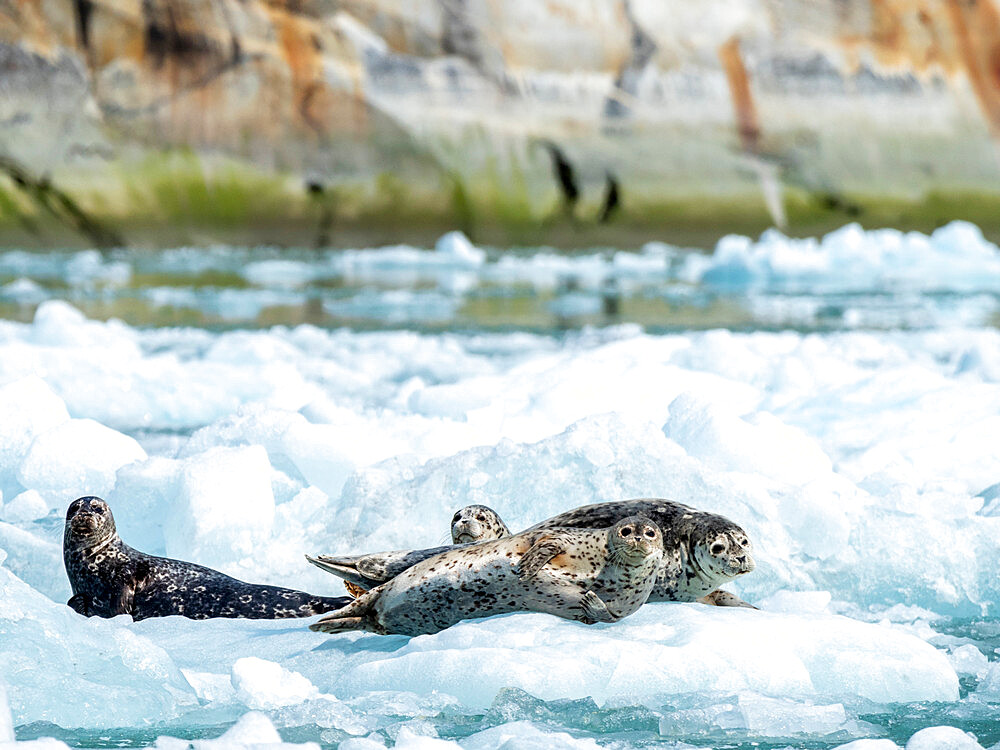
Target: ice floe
863,465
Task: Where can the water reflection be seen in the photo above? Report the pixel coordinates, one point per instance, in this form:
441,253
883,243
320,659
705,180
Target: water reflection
458,286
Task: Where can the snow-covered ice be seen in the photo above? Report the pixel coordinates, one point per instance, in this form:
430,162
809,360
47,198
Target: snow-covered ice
862,462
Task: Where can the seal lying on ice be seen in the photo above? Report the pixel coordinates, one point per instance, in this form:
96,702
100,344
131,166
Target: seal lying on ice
110,578
578,574
702,550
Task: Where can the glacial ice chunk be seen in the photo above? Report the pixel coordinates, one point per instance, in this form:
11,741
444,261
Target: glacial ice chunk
942,738
27,506
253,731
456,245
780,717
6,722
760,443
524,735
969,660
514,735
289,274
54,660
263,684
955,257
75,458
28,407
224,508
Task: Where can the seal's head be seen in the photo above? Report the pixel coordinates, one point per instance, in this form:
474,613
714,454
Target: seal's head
89,519
635,539
721,550
477,523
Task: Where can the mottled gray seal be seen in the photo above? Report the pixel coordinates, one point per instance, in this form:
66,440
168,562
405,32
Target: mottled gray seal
701,550
477,523
577,574
110,578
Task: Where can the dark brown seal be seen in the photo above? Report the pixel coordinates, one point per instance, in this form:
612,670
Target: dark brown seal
110,578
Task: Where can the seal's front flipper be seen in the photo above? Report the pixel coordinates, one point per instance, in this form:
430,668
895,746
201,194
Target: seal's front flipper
539,555
79,604
337,625
720,598
130,587
595,610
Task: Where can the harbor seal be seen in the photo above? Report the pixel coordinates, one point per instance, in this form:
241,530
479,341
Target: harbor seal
702,550
110,578
577,574
477,523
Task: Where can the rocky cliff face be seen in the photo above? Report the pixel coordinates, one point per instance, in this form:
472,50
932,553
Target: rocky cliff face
523,120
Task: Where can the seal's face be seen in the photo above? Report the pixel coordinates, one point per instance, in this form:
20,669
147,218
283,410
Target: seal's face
477,523
724,553
634,539
89,517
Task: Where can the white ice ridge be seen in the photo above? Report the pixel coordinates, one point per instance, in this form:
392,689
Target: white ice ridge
665,649
955,257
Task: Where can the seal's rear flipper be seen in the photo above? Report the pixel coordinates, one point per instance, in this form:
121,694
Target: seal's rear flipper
369,571
350,617
338,625
720,598
343,567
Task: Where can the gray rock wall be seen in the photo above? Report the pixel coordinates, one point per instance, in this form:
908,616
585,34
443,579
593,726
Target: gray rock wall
319,121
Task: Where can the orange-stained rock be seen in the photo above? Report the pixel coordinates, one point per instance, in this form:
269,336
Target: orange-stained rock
671,96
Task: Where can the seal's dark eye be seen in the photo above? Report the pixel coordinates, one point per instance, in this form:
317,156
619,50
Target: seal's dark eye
625,531
718,548
457,517
481,518
650,534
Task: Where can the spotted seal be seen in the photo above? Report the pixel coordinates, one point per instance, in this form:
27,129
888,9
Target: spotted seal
110,578
577,574
477,523
702,550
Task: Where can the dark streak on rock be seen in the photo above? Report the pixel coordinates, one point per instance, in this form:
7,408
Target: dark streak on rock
612,199
565,176
461,38
54,201
627,81
83,10
164,39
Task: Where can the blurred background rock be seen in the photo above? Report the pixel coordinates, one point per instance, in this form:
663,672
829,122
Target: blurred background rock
564,122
